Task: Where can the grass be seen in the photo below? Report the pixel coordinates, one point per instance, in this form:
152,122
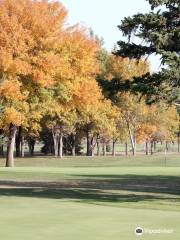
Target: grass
90,198
160,160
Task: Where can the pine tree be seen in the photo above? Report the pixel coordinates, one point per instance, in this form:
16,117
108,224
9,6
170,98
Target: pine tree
159,33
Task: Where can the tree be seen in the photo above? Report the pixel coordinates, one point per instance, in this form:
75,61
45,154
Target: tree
13,114
119,70
30,32
157,33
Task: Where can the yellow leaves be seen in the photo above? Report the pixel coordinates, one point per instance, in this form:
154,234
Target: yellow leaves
108,118
87,94
124,68
29,31
79,53
37,52
5,60
11,116
13,101
145,132
157,121
11,90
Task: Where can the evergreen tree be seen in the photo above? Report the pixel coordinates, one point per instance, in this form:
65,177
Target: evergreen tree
158,33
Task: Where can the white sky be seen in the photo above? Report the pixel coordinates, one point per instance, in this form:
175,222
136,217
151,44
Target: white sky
103,16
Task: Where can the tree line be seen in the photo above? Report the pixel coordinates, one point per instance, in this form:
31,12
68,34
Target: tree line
59,85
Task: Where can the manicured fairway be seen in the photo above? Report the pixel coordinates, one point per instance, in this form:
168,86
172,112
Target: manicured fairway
91,199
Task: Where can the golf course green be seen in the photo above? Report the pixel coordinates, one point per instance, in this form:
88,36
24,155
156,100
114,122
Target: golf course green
90,198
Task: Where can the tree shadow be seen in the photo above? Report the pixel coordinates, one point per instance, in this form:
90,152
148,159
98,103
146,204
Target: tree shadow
99,188
87,195
133,182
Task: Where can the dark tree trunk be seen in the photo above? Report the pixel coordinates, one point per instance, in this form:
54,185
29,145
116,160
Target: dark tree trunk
1,144
2,150
108,147
89,149
154,146
126,149
147,148
113,148
22,146
90,142
18,142
167,146
104,148
31,144
11,146
151,147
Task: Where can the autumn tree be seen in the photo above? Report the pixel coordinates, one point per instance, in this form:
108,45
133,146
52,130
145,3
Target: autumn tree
120,70
160,123
29,35
80,62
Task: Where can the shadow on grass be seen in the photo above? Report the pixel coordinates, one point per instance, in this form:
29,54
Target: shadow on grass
99,188
86,195
132,182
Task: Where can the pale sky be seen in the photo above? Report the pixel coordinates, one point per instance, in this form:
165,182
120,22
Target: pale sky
103,16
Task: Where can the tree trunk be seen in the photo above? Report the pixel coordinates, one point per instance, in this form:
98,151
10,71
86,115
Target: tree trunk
73,139
154,146
73,150
31,144
151,147
113,148
11,146
108,147
18,142
132,139
61,145
104,149
92,152
88,153
134,145
2,150
56,142
126,149
147,148
22,146
90,139
98,147
167,146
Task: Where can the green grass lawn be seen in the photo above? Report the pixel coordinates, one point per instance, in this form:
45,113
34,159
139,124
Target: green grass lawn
90,198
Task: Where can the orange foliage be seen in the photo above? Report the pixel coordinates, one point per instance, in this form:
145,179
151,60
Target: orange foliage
125,68
78,53
87,94
145,132
11,89
29,31
12,116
